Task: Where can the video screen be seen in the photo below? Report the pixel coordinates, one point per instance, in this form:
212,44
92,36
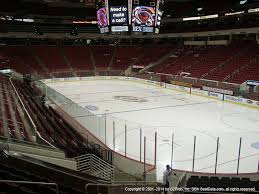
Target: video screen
143,18
119,15
102,17
159,13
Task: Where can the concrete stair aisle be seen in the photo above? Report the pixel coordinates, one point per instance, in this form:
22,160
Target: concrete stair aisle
43,66
157,63
13,115
27,127
66,61
92,58
113,58
3,114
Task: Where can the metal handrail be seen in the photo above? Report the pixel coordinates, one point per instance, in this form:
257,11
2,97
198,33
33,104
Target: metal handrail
28,143
90,162
27,113
181,179
129,182
33,183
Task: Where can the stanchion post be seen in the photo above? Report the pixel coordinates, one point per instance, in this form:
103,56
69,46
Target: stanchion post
155,155
145,158
172,153
217,152
105,129
239,152
140,144
113,126
125,140
193,158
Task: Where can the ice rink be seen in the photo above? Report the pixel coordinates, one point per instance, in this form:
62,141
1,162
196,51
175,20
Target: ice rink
170,112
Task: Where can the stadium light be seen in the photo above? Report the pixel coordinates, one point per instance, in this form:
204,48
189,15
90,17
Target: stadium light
242,2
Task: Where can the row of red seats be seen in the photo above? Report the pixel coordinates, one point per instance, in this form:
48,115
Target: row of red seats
125,56
51,59
199,61
247,53
251,72
215,56
54,129
180,59
12,121
102,56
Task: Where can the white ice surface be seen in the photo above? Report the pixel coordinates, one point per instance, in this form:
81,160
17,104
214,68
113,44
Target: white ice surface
170,112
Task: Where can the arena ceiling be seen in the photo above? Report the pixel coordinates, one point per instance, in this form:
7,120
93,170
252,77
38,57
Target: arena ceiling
78,9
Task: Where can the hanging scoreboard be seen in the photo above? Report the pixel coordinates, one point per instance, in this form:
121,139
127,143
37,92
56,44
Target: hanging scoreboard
119,19
159,13
141,16
102,15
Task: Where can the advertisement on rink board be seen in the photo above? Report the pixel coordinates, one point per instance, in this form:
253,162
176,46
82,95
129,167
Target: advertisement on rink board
200,92
216,95
233,98
217,90
185,84
179,88
242,100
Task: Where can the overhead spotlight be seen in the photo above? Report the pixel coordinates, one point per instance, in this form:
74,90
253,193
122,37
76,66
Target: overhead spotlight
242,2
199,8
74,31
37,30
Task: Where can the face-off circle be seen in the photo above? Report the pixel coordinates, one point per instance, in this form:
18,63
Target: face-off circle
92,107
255,145
130,98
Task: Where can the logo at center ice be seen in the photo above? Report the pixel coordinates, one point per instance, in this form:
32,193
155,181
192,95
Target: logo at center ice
91,107
130,98
255,145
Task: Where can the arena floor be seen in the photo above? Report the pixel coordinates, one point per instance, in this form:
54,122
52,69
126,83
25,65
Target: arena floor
170,112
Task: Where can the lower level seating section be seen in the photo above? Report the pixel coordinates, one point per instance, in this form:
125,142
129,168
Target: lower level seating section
196,60
150,54
79,57
220,63
102,56
125,56
254,96
8,173
251,72
175,54
19,58
213,62
54,129
247,52
223,182
51,58
13,123
214,56
183,58
22,168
